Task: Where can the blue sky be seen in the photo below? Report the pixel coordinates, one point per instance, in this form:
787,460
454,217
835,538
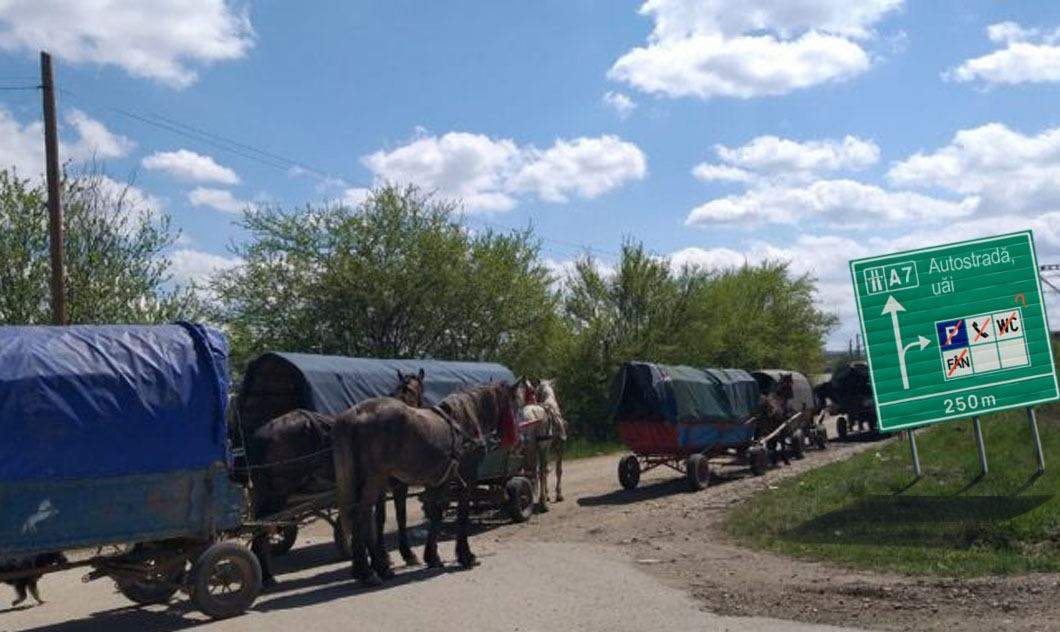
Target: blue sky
824,129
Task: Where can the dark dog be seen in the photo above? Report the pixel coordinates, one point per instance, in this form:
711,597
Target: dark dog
28,583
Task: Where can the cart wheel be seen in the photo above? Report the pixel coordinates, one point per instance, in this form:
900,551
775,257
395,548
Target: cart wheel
629,471
225,580
343,546
520,494
152,588
697,471
758,459
841,427
283,540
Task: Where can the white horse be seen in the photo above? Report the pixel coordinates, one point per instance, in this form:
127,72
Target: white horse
544,430
546,397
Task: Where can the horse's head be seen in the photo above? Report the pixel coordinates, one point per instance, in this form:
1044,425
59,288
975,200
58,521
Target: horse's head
525,393
409,388
785,388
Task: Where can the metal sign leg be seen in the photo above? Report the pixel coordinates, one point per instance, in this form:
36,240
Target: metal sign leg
916,455
980,446
1037,440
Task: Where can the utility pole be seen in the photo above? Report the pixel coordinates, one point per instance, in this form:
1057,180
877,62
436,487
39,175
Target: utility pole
55,209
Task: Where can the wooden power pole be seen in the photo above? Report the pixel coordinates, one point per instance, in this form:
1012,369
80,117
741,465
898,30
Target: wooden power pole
55,208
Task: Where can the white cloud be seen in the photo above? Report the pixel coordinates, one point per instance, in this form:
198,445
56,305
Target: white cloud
164,40
195,266
355,196
218,199
22,146
834,202
588,167
1028,56
189,166
489,174
95,140
710,48
770,155
620,103
1011,172
722,173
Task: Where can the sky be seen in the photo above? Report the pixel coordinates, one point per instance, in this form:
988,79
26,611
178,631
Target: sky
716,132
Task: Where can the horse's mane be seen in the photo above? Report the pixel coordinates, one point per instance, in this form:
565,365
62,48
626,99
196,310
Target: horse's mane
480,405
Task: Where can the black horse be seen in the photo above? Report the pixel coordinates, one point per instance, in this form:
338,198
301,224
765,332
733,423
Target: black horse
292,454
381,440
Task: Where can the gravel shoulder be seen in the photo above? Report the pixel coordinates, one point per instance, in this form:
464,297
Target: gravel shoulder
677,537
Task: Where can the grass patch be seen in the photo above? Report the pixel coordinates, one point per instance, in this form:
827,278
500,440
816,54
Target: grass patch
581,448
868,512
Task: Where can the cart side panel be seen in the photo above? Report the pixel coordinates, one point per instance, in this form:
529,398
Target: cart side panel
55,515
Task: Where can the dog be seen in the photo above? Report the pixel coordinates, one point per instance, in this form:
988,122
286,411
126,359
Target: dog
27,585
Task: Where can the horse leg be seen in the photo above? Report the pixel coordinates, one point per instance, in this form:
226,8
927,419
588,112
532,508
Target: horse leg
463,520
559,471
401,492
380,519
433,507
262,549
380,558
542,477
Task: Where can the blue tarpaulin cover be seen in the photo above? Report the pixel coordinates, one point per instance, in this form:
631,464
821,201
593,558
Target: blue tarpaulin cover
99,401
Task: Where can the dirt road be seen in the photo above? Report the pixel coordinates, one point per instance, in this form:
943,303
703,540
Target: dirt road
604,559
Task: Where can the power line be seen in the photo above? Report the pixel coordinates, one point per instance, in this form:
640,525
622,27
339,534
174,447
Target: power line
284,163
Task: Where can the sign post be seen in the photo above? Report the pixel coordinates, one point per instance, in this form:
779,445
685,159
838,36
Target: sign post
956,331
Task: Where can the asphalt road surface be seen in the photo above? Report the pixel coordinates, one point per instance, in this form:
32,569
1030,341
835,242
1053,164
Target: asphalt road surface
529,587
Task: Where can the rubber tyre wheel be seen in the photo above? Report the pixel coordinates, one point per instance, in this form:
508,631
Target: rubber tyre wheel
758,459
629,471
697,472
519,493
345,550
841,427
219,566
282,542
148,592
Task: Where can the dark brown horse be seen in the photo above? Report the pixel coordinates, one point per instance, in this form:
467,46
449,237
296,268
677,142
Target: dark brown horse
773,410
382,439
293,454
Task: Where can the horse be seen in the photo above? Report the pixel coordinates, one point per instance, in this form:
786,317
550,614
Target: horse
535,424
292,454
440,447
773,410
546,396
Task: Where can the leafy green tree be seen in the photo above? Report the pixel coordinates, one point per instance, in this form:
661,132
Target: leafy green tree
397,277
114,250
749,317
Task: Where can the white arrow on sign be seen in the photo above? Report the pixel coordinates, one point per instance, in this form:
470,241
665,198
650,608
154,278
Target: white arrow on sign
893,307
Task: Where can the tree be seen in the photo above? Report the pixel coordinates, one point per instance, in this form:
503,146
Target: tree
114,248
397,277
749,317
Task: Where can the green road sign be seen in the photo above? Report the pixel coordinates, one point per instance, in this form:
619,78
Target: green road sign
955,331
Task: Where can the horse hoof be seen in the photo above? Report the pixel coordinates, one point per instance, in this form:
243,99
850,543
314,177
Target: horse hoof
385,573
470,561
410,559
559,498
268,582
541,508
371,580
435,562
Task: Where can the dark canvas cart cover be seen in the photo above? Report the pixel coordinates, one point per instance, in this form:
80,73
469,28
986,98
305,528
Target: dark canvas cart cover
803,399
682,409
111,433
276,383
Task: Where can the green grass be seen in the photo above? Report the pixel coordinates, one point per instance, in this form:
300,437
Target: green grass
868,512
581,448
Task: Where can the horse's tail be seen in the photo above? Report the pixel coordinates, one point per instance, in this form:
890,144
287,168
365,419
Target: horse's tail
348,477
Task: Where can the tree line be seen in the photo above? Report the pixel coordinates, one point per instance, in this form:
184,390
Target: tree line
401,276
